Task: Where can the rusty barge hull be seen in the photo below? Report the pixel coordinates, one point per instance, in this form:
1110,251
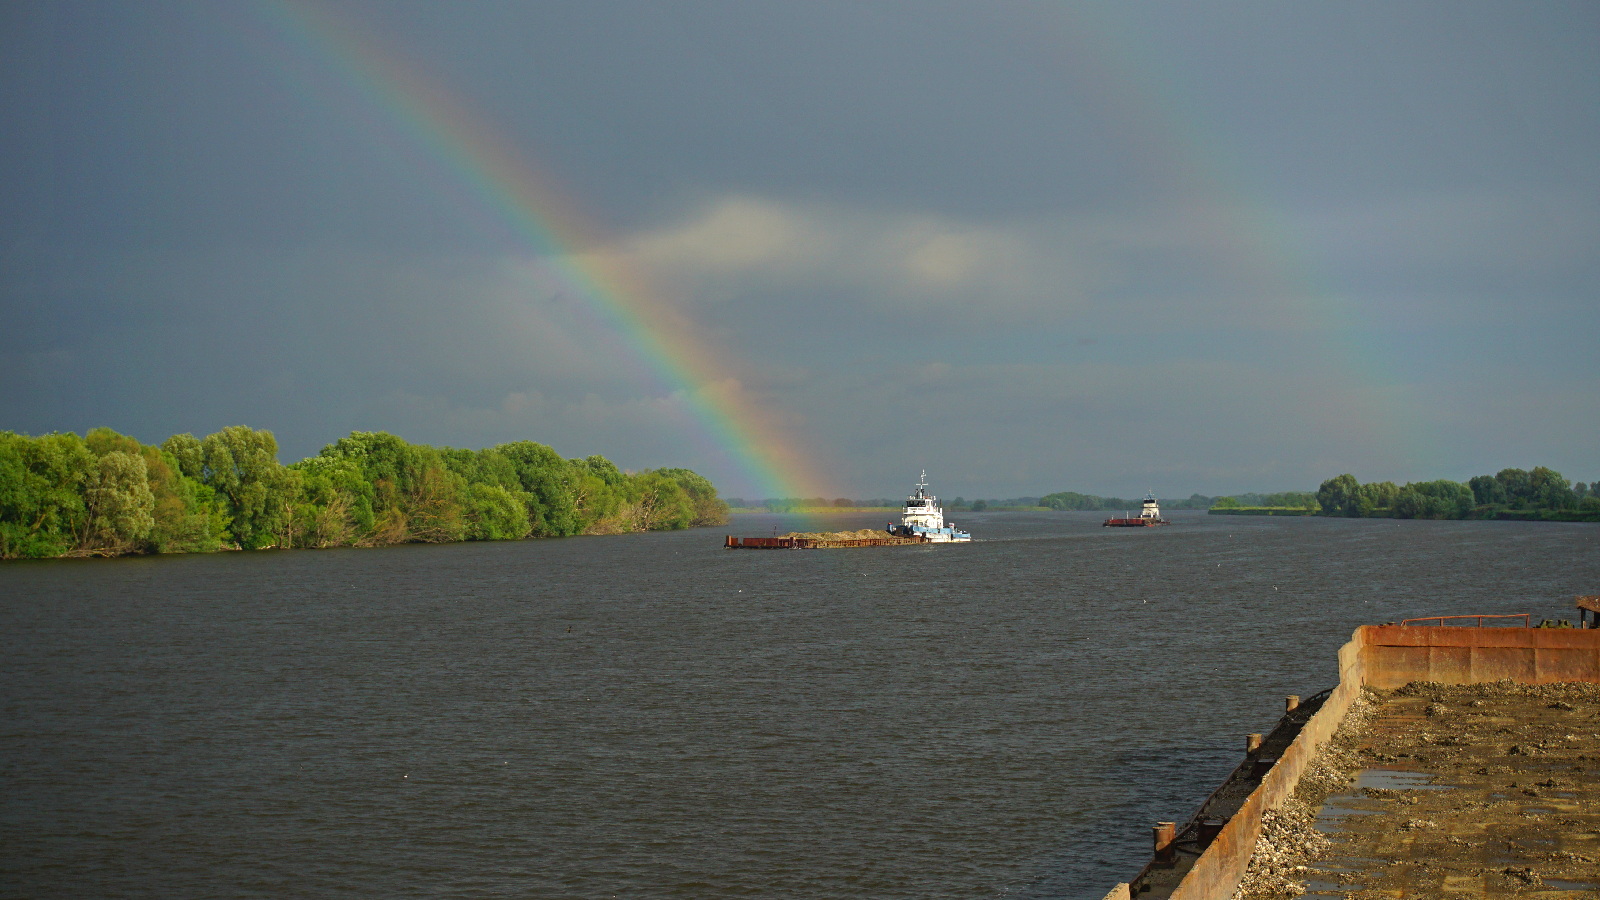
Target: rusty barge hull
786,543
1135,523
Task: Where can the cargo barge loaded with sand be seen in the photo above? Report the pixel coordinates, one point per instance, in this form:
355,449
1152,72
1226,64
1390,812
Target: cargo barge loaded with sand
1457,759
921,522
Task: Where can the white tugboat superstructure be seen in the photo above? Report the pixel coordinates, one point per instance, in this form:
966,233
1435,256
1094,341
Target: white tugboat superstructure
1149,516
924,518
1151,509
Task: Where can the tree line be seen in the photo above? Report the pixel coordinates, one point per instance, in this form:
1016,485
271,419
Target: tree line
107,494
1279,500
1540,493
1062,500
1072,500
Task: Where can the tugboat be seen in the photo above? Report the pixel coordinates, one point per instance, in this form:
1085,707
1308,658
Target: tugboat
1149,516
924,518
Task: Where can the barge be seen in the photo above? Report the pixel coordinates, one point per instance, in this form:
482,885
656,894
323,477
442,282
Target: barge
815,542
1476,763
1149,516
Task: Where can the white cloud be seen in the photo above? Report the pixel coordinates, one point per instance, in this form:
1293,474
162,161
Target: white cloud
1187,266
741,246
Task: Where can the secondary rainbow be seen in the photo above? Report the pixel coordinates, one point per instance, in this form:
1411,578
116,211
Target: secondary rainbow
505,183
1135,88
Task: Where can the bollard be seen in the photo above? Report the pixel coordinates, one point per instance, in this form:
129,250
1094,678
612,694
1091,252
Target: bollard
1252,743
1164,834
1291,703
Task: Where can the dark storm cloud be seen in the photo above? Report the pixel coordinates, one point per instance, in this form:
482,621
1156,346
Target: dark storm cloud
1270,243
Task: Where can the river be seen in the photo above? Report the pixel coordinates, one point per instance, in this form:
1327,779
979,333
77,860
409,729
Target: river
652,716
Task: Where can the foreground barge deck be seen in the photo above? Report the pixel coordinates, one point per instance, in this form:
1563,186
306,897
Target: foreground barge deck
1482,790
1390,677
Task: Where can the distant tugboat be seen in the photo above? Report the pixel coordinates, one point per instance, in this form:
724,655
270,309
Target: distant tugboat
1149,516
924,518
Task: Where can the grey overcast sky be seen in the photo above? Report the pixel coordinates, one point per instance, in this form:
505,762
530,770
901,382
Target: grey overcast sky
1028,246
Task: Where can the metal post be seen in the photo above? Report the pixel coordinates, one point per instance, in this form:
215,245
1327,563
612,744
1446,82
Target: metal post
1164,833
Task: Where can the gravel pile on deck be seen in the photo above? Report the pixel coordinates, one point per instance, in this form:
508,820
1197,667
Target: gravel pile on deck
1513,806
862,535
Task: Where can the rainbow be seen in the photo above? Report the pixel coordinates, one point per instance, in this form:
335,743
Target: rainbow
477,162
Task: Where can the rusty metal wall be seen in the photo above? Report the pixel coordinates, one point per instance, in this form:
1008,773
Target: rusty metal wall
1398,654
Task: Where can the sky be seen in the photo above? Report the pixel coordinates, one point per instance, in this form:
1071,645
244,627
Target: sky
812,249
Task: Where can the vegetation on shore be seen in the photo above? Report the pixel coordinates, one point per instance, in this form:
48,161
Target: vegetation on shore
1537,495
1541,494
106,494
1061,501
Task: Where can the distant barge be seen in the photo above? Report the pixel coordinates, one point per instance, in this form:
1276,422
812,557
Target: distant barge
1149,516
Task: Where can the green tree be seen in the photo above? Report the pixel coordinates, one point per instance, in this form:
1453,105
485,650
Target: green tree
120,505
1071,500
495,513
662,503
241,465
334,505
1548,490
1515,486
547,479
42,483
411,490
1291,499
190,456
1411,504
705,507
1442,499
185,515
1375,496
1487,490
1340,496
599,490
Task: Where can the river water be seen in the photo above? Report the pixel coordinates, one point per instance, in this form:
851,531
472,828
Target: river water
651,716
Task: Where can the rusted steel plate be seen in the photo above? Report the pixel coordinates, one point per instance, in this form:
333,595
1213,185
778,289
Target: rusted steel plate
1566,665
1453,636
1395,655
1592,604
1495,663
